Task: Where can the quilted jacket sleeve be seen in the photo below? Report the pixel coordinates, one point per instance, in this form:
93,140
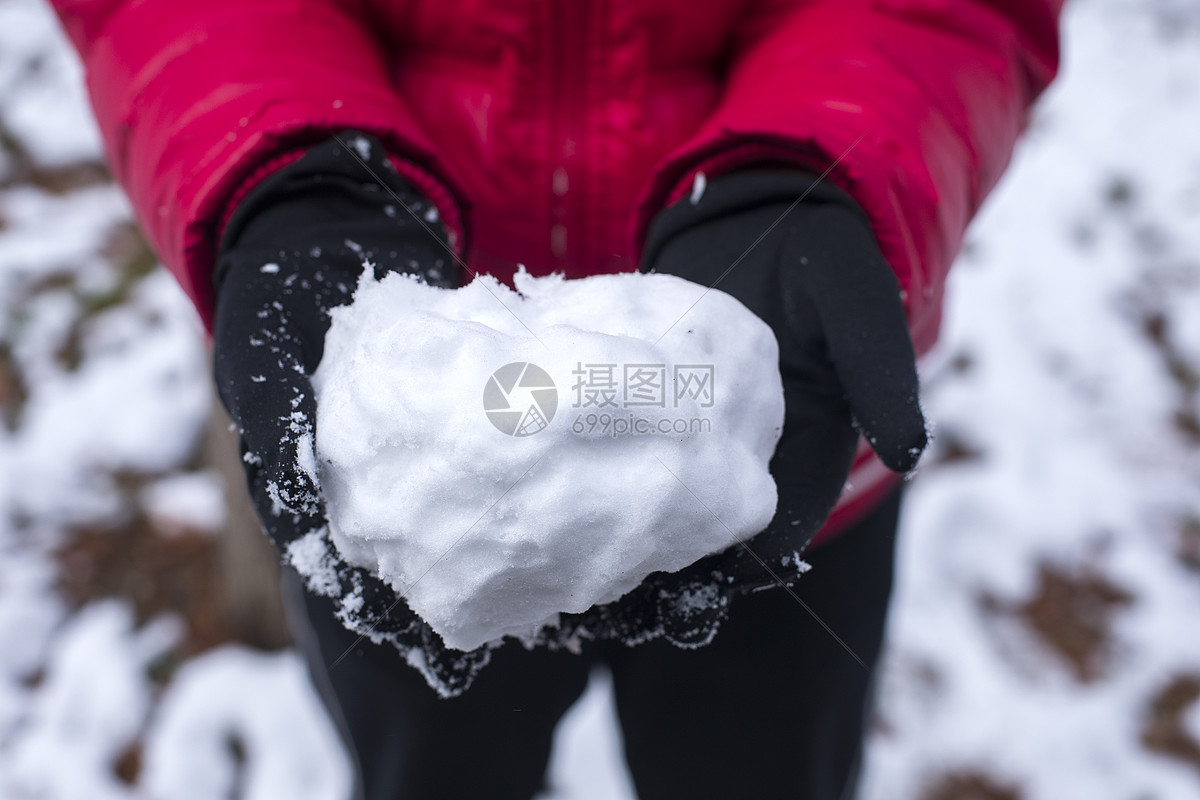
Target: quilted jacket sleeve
194,96
915,106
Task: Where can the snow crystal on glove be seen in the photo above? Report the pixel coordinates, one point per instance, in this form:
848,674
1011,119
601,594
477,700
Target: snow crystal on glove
631,436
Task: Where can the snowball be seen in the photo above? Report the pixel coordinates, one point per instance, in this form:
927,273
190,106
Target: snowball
500,457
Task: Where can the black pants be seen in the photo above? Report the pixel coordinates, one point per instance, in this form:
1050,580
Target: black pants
773,708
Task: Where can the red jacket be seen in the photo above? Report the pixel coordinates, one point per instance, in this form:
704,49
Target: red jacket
551,131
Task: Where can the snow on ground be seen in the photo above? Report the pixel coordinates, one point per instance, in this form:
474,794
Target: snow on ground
265,703
1042,644
103,403
1045,599
587,760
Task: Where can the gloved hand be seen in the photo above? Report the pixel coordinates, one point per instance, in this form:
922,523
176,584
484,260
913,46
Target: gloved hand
294,249
817,277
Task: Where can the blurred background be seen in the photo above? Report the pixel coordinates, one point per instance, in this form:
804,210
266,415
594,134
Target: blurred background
1045,641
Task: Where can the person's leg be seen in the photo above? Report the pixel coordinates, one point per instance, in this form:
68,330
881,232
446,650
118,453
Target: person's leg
493,741
775,706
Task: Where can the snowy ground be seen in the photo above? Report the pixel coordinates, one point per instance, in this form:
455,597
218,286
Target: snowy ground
1044,642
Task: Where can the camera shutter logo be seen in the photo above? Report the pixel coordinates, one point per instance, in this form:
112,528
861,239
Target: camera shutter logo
520,399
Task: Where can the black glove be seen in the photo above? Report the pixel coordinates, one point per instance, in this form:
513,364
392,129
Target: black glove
294,249
816,276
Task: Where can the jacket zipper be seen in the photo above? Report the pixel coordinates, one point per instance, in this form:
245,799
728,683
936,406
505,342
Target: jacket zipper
568,114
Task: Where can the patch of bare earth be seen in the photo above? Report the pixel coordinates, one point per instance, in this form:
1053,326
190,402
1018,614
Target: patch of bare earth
182,572
24,170
1071,612
1188,550
970,785
1164,730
